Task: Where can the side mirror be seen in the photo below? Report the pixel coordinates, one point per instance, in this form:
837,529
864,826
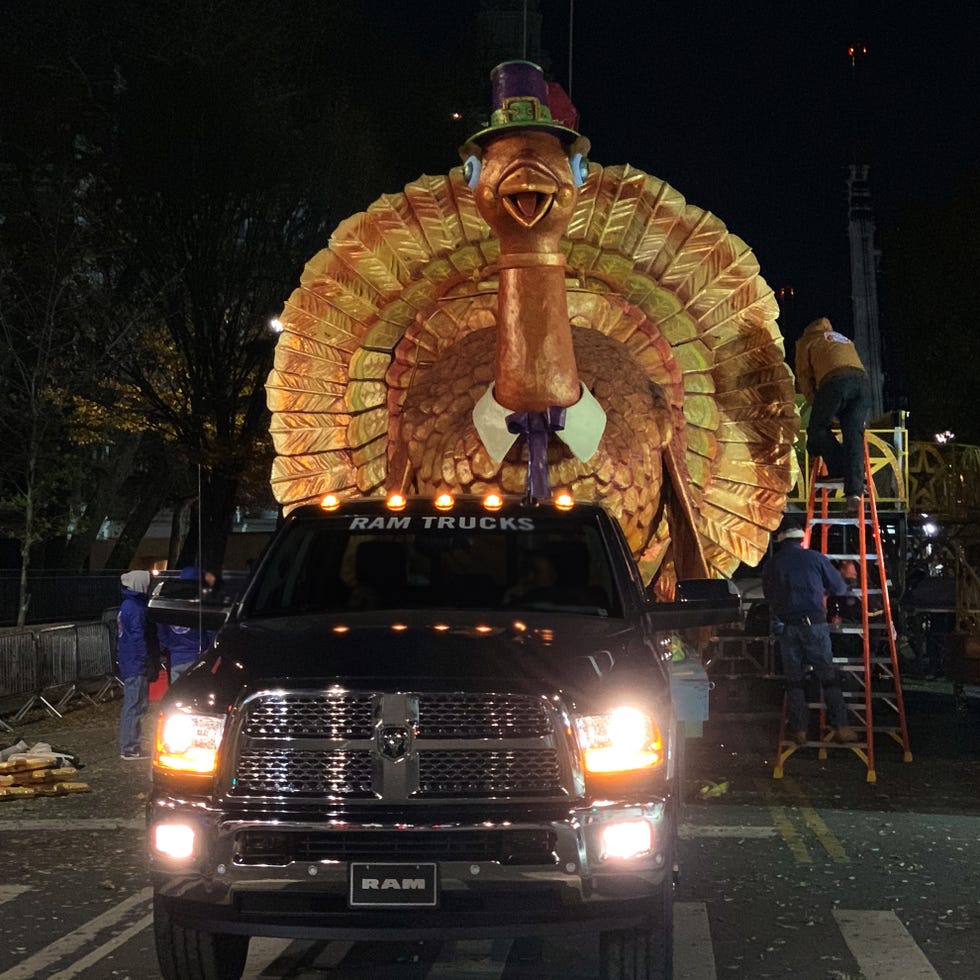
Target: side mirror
177,602
698,602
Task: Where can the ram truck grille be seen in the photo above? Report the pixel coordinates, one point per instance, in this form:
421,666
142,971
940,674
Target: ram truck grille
401,747
265,772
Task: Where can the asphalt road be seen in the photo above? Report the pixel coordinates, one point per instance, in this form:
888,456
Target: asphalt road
817,875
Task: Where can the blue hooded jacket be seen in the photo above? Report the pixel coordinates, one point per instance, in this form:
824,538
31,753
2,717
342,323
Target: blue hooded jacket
185,644
132,649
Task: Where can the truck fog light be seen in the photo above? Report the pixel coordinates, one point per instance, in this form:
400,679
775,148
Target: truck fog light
174,840
626,839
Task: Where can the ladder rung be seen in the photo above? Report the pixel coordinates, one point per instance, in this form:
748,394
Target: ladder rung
857,697
820,744
832,554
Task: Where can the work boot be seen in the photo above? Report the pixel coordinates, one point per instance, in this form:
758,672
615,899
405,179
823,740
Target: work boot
798,737
853,506
844,734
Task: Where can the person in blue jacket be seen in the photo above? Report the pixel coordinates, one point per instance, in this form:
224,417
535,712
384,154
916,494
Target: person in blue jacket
184,643
136,653
797,581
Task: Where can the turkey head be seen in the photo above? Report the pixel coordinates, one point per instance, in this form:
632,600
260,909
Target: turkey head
525,193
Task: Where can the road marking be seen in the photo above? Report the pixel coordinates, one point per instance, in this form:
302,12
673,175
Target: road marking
268,957
689,831
882,946
334,954
100,952
9,892
787,831
73,826
262,953
823,834
38,964
812,819
694,958
485,958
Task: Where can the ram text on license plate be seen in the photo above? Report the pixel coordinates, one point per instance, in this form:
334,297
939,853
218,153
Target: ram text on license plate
393,885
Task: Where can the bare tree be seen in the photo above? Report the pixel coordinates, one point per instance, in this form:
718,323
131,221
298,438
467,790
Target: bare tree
220,222
232,135
51,282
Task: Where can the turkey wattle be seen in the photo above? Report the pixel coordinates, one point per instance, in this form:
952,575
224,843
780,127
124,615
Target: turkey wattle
627,328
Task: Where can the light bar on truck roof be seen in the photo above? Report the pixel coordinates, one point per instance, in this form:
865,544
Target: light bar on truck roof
493,501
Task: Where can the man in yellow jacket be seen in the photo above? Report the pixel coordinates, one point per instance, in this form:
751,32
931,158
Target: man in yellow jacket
830,375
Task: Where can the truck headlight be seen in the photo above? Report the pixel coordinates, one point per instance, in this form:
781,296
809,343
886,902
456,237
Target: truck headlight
188,742
620,740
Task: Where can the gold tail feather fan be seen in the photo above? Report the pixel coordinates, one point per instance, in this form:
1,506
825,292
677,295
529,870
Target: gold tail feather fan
388,342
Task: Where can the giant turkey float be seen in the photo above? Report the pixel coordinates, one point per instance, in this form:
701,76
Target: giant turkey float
533,322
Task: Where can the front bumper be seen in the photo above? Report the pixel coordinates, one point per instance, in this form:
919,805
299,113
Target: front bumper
223,887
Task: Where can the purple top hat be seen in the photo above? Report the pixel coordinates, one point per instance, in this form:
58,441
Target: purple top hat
520,101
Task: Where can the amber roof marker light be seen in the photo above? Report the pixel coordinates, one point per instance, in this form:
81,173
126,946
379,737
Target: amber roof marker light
330,502
493,501
396,502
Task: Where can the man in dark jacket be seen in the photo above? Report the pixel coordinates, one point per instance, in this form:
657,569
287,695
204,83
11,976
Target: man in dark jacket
185,644
831,377
797,581
135,652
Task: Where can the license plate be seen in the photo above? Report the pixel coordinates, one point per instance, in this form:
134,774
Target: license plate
393,885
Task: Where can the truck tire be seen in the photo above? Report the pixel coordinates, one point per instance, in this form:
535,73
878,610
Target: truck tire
190,954
643,953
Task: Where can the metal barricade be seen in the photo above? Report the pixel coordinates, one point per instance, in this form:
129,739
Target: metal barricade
48,667
41,680
97,657
73,654
18,667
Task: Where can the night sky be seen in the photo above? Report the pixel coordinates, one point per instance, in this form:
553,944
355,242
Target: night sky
751,110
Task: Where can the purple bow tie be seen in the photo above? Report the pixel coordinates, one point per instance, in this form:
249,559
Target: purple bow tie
535,427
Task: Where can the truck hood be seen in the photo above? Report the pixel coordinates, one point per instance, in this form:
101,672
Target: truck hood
429,651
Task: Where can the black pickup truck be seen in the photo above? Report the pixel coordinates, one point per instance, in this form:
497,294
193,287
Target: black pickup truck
425,719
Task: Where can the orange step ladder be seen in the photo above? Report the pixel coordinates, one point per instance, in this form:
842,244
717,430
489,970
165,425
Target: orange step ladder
876,688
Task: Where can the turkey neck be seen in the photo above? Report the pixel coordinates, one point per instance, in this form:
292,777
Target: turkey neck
535,363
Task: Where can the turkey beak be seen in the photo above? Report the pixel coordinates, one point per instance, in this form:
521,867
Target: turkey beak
527,194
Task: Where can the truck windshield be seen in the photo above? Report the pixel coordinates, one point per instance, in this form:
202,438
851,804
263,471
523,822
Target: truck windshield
340,565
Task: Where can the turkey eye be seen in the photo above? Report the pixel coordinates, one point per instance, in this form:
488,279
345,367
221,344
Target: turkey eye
580,169
471,171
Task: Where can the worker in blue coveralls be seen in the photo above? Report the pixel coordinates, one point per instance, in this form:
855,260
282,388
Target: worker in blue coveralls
136,652
797,581
184,643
